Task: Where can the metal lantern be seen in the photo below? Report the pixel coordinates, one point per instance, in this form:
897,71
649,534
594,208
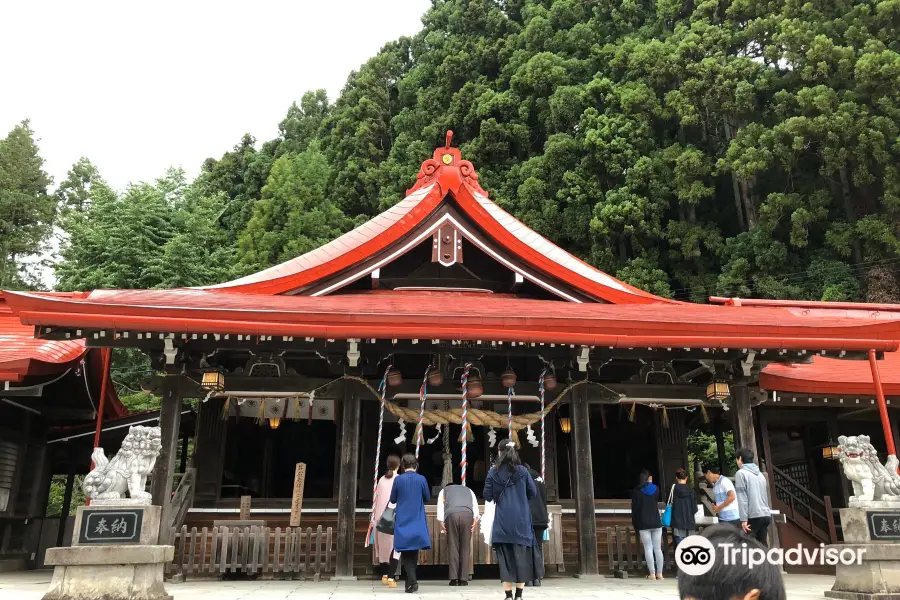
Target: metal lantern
565,424
214,381
475,387
549,381
508,378
435,377
394,377
717,390
831,451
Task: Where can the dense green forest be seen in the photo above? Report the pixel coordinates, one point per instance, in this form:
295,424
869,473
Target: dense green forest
733,147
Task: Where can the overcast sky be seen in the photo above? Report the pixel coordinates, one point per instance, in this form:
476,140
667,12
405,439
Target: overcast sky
139,86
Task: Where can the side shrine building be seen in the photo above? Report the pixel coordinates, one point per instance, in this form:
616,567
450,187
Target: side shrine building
443,324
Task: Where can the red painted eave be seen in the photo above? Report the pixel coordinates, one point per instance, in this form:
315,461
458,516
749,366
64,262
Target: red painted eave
806,304
832,377
458,317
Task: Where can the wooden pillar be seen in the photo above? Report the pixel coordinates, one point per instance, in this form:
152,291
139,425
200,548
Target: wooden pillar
720,443
169,423
584,477
768,466
834,433
66,505
348,473
184,451
744,432
209,451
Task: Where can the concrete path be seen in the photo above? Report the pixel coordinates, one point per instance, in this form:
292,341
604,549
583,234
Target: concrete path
32,585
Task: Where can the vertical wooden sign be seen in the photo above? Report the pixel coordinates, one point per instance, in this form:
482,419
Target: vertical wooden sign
297,499
245,508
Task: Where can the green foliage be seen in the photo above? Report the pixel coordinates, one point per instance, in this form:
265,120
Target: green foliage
702,450
27,211
58,493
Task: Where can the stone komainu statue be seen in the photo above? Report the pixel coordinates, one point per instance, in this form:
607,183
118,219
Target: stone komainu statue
871,480
127,471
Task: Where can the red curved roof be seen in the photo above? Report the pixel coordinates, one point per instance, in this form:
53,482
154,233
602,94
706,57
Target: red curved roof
832,377
443,178
456,317
21,354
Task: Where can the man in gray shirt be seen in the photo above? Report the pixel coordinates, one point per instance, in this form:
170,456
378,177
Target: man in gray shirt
752,496
457,512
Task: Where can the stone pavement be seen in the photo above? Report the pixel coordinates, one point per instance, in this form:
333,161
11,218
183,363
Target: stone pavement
32,585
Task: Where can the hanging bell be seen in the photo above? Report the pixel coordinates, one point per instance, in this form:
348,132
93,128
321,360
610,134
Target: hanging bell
435,377
394,377
474,387
508,378
549,381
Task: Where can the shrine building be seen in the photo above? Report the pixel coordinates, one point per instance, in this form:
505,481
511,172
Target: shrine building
438,327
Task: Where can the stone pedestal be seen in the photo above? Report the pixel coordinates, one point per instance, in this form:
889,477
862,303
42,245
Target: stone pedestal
114,556
871,530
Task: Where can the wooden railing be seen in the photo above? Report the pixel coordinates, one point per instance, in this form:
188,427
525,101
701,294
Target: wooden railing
293,553
626,553
804,509
183,499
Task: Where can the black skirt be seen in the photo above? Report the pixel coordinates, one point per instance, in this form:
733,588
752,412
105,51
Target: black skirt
519,564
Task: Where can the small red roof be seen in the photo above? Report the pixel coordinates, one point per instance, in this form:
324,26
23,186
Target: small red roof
443,178
22,355
832,377
450,316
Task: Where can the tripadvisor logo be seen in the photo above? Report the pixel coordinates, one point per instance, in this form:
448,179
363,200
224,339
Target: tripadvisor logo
696,555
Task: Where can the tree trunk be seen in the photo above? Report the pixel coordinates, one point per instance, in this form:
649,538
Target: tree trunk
749,207
850,214
738,205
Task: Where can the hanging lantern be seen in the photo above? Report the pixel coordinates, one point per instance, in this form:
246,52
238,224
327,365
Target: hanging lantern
831,451
475,387
274,422
508,378
565,424
549,381
435,377
394,377
717,390
214,381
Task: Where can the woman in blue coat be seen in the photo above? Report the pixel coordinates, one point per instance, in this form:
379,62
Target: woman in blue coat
509,487
409,494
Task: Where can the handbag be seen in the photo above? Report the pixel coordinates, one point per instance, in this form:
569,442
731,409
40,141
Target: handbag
386,522
667,513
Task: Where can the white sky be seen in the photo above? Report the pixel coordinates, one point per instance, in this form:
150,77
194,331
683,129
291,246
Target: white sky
141,86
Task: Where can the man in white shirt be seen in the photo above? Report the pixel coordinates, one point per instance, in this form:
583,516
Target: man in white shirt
457,511
726,507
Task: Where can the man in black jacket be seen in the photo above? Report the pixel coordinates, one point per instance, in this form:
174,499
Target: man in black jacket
540,518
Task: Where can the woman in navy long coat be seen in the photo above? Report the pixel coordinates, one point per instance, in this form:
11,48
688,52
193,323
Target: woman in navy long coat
509,486
410,493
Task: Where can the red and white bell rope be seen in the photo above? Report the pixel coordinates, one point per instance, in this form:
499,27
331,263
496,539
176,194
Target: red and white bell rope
509,420
465,421
423,391
543,438
382,389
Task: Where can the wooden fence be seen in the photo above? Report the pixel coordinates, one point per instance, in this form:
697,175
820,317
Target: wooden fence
626,553
293,552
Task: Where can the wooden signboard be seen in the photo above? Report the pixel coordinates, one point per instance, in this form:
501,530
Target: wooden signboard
245,508
297,499
113,526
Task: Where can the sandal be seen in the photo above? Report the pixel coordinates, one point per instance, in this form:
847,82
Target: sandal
651,577
384,579
659,577
391,583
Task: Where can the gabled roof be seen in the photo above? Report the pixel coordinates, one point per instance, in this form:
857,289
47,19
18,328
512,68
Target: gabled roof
444,178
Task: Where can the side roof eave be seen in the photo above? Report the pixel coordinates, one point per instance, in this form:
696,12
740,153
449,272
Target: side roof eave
437,179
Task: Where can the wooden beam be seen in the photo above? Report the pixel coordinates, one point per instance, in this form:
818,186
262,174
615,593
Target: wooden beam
834,432
768,467
584,476
66,505
742,415
163,473
348,473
